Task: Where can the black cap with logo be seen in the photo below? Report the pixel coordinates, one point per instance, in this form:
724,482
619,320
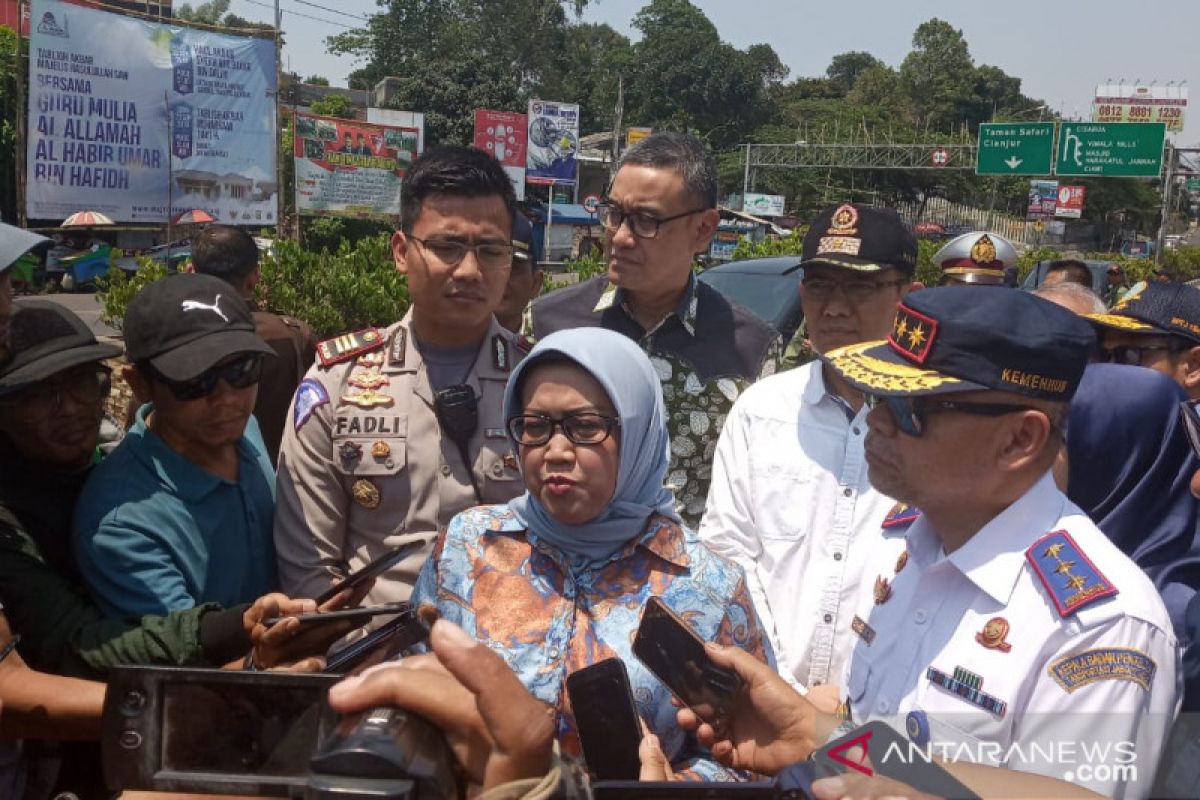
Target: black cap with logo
959,339
861,238
186,323
1155,308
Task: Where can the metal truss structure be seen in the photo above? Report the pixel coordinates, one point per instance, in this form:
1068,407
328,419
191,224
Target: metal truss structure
861,156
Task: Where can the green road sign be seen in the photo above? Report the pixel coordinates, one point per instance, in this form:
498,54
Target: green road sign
1111,149
1015,148
1193,185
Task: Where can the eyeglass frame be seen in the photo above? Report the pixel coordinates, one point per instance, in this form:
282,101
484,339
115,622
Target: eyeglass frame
876,286
206,382
606,206
1190,415
103,386
474,248
560,423
1105,353
910,418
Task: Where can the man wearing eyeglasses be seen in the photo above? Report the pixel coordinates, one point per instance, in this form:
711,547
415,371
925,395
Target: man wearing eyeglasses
1155,325
790,500
660,211
180,512
394,431
1011,626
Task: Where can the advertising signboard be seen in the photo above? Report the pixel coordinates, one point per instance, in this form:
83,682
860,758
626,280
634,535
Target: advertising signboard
1118,102
128,116
504,135
763,205
350,169
553,146
1043,199
1070,202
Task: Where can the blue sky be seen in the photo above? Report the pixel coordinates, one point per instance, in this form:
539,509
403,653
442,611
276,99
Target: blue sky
1059,48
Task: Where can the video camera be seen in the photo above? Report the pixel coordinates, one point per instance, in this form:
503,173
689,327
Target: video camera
263,733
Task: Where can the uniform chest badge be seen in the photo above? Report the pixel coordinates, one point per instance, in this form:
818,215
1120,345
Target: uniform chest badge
373,359
367,378
883,590
367,398
994,632
349,454
381,449
862,629
901,561
365,493
969,687
510,461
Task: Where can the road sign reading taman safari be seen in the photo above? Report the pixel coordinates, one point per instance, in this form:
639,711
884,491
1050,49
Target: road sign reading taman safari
1015,148
1113,149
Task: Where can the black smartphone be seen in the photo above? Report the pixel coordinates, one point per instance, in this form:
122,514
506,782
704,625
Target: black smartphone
374,569
363,613
379,645
606,720
675,654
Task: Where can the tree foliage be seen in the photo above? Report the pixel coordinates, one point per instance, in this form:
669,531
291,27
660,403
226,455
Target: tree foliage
334,105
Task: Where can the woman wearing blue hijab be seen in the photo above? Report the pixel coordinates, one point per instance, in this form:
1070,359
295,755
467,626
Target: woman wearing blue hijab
1129,468
556,579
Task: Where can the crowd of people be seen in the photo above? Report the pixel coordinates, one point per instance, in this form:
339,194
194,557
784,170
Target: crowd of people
953,520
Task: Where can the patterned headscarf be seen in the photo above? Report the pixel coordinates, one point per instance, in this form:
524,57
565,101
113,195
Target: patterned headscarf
632,385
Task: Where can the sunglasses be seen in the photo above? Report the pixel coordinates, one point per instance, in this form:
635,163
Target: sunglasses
911,413
239,374
1132,355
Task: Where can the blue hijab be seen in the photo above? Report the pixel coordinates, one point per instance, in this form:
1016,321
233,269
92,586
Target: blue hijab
626,374
1130,467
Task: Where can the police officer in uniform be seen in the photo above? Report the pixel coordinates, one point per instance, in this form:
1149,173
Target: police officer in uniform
979,259
396,430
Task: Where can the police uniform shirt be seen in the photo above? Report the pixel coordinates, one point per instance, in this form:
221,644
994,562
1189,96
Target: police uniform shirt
975,657
295,347
364,468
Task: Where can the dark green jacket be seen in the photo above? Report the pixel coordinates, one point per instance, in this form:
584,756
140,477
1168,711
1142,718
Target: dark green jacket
45,601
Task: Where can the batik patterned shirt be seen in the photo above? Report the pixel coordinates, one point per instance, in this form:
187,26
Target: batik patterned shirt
521,597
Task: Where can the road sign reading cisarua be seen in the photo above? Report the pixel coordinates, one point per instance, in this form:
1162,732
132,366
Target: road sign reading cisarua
1112,149
1015,148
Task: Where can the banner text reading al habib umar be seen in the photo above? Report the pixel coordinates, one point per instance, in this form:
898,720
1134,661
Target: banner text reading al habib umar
127,116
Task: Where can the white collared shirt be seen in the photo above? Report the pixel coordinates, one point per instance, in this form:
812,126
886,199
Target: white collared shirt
791,504
1087,692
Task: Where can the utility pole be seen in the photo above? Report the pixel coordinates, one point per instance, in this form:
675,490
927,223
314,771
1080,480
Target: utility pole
22,119
279,130
1165,214
618,120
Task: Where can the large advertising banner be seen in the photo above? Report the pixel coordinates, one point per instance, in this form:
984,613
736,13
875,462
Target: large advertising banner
1043,199
504,135
1070,201
553,143
347,168
128,116
1118,102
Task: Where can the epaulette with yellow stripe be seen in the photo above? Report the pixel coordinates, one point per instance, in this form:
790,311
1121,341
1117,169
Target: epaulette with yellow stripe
348,345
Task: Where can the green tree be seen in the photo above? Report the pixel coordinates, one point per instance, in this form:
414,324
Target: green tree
846,68
316,80
334,105
209,13
10,45
938,76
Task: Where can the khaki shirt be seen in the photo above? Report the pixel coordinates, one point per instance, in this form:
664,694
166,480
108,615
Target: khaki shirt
364,467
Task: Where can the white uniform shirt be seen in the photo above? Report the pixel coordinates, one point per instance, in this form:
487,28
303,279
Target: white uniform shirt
1087,693
791,504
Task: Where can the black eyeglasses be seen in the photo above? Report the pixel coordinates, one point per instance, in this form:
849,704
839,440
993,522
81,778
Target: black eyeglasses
910,413
490,255
856,291
583,427
239,374
87,384
1191,423
1133,354
644,226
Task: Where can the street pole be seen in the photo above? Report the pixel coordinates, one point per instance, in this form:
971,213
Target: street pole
746,177
1168,181
278,131
22,118
170,173
618,120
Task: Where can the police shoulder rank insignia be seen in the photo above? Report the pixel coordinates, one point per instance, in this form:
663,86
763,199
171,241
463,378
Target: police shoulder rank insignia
344,347
397,346
901,514
969,687
500,357
913,333
1103,664
1069,577
310,395
525,343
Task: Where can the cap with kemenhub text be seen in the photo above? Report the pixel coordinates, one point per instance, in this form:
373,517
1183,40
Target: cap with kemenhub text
186,323
959,339
1156,309
861,238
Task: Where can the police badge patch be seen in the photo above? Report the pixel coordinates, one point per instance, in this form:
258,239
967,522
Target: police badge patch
309,396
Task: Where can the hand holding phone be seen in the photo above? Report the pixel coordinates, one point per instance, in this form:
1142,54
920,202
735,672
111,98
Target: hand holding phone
675,654
360,615
373,570
606,719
